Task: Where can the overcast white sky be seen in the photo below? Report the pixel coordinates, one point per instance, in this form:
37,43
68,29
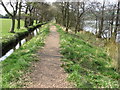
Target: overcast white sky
2,11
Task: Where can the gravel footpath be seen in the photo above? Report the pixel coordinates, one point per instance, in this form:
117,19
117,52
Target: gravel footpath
47,72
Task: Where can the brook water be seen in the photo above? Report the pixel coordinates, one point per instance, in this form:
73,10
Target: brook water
30,36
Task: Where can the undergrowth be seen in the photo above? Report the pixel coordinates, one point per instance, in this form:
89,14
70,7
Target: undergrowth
17,64
88,66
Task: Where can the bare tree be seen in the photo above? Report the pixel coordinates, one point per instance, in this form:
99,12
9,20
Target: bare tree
111,17
80,10
14,6
29,14
93,9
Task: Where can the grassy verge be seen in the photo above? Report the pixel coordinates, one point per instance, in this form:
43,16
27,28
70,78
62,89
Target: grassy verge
17,64
88,66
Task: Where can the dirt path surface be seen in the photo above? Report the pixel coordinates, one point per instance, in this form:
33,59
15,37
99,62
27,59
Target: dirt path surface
47,72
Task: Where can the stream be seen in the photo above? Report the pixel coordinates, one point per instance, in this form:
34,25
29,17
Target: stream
23,41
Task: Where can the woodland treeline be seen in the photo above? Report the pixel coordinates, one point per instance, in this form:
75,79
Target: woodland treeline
69,14
30,12
74,14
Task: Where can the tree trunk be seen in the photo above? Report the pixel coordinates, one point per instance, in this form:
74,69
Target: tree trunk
18,26
111,27
67,18
117,19
112,21
100,28
25,21
31,18
77,18
13,25
96,25
65,14
19,16
76,25
101,21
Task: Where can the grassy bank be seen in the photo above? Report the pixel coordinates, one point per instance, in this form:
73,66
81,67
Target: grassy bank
10,37
9,40
17,64
109,46
88,65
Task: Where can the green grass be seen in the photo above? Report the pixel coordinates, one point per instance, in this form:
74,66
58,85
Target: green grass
17,64
6,25
90,38
88,66
110,46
